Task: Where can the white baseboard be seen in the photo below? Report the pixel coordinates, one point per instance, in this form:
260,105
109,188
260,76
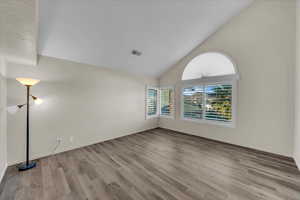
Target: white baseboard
15,162
3,173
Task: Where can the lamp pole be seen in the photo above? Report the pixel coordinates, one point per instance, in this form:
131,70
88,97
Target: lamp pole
27,125
27,82
28,165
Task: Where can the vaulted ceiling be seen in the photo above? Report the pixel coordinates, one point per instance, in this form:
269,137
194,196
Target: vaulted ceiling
104,32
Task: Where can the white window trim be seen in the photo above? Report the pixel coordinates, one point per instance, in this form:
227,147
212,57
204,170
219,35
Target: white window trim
173,101
158,102
207,81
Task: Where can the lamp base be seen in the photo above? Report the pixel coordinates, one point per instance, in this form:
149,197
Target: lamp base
25,167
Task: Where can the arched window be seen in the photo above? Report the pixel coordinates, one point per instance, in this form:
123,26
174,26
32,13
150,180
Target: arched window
209,90
209,65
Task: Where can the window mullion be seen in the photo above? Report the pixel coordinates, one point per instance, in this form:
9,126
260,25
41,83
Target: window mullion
158,101
204,102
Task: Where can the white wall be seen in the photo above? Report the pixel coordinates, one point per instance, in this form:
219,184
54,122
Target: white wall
297,89
78,97
261,40
3,141
90,104
19,25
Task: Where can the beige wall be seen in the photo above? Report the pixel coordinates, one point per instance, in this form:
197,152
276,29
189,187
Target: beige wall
262,43
90,104
297,89
78,97
18,32
3,141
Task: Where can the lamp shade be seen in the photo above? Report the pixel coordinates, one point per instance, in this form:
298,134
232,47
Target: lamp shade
28,81
37,100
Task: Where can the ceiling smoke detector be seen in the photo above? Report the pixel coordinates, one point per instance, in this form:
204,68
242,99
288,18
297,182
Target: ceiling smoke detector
136,52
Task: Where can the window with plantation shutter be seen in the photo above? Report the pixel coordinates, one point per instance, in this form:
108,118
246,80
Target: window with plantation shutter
167,102
209,90
218,105
209,103
193,102
152,102
160,102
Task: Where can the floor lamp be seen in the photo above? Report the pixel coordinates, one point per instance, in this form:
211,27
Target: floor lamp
28,83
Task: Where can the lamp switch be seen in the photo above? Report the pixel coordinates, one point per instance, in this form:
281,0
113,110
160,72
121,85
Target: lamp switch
71,139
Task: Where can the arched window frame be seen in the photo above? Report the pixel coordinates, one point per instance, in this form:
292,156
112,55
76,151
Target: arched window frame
231,79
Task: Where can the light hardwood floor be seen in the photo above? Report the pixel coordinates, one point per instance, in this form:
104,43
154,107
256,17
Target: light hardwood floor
157,164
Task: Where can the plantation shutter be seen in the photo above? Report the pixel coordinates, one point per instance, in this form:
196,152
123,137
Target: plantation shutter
218,102
166,101
152,95
193,102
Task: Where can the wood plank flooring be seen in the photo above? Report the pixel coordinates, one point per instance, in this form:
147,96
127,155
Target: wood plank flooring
156,165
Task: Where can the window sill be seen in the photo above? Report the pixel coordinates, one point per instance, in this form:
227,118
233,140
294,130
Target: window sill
152,116
209,122
160,116
167,117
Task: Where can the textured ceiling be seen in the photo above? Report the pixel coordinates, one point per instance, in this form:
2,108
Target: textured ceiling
104,32
18,30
